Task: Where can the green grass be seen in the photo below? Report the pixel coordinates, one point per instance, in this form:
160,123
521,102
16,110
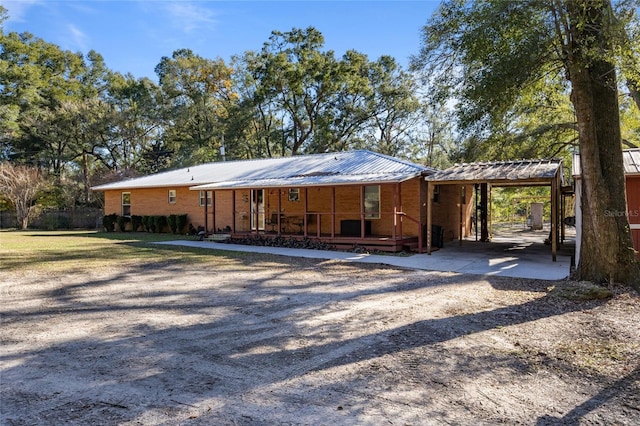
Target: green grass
81,250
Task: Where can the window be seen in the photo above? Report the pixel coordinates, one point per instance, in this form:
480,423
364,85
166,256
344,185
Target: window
372,202
294,194
126,204
209,198
172,196
436,194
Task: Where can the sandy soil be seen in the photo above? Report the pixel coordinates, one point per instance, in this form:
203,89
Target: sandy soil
268,340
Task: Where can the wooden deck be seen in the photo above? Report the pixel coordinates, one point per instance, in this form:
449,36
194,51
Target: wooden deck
370,242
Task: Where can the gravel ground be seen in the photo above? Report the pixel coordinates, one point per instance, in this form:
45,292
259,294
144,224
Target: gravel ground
269,340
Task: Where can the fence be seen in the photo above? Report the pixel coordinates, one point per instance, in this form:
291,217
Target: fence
81,217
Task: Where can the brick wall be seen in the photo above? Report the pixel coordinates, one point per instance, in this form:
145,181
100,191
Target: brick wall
155,201
446,212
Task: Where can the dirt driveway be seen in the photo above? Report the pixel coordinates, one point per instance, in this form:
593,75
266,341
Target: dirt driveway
268,340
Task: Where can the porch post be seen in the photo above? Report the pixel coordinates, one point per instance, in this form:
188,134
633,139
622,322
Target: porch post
362,229
429,198
206,213
233,210
333,212
395,211
400,231
279,211
305,222
213,207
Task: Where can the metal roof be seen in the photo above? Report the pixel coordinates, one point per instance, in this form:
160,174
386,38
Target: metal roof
500,172
340,168
630,158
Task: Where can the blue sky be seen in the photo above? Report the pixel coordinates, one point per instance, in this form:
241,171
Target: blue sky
133,35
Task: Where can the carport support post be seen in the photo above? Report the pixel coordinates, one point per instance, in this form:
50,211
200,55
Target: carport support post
554,217
429,198
462,201
484,204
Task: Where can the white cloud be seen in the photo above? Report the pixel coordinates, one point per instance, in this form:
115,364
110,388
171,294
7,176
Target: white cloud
78,38
17,9
188,17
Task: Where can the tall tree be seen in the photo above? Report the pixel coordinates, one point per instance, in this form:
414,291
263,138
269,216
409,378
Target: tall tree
299,78
138,119
255,128
200,93
488,53
324,103
394,105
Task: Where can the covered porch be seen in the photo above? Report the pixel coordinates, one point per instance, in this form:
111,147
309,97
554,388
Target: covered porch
377,215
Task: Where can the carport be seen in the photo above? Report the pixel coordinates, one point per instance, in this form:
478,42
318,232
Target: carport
486,175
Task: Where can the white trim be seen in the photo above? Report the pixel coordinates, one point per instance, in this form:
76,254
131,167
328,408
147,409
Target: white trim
635,225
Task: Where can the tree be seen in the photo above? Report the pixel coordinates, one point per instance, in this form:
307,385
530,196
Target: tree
299,79
254,127
305,100
487,54
20,185
394,106
137,125
200,92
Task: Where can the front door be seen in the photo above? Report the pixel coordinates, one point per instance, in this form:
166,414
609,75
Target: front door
257,206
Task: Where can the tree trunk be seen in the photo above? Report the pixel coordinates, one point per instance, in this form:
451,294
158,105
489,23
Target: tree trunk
606,249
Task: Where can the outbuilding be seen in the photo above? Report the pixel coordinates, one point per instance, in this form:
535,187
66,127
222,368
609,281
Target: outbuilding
631,159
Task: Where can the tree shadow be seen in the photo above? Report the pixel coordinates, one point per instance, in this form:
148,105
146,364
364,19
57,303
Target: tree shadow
251,334
628,385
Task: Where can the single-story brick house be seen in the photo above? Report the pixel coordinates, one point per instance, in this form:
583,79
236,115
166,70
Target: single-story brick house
345,198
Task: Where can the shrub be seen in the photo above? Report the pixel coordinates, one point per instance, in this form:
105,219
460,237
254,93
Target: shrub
136,221
122,222
146,222
181,221
109,222
171,219
159,223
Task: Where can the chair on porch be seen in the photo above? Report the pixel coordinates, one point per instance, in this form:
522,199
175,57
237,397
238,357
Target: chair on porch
273,222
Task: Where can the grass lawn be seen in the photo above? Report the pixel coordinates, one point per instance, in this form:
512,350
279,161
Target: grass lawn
76,250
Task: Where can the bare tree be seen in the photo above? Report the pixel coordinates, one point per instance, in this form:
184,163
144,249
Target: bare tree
20,184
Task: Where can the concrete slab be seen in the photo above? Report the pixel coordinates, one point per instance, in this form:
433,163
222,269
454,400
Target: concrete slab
512,260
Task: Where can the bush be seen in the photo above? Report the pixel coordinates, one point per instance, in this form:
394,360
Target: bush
109,222
159,223
122,222
171,219
181,221
146,222
177,222
136,221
